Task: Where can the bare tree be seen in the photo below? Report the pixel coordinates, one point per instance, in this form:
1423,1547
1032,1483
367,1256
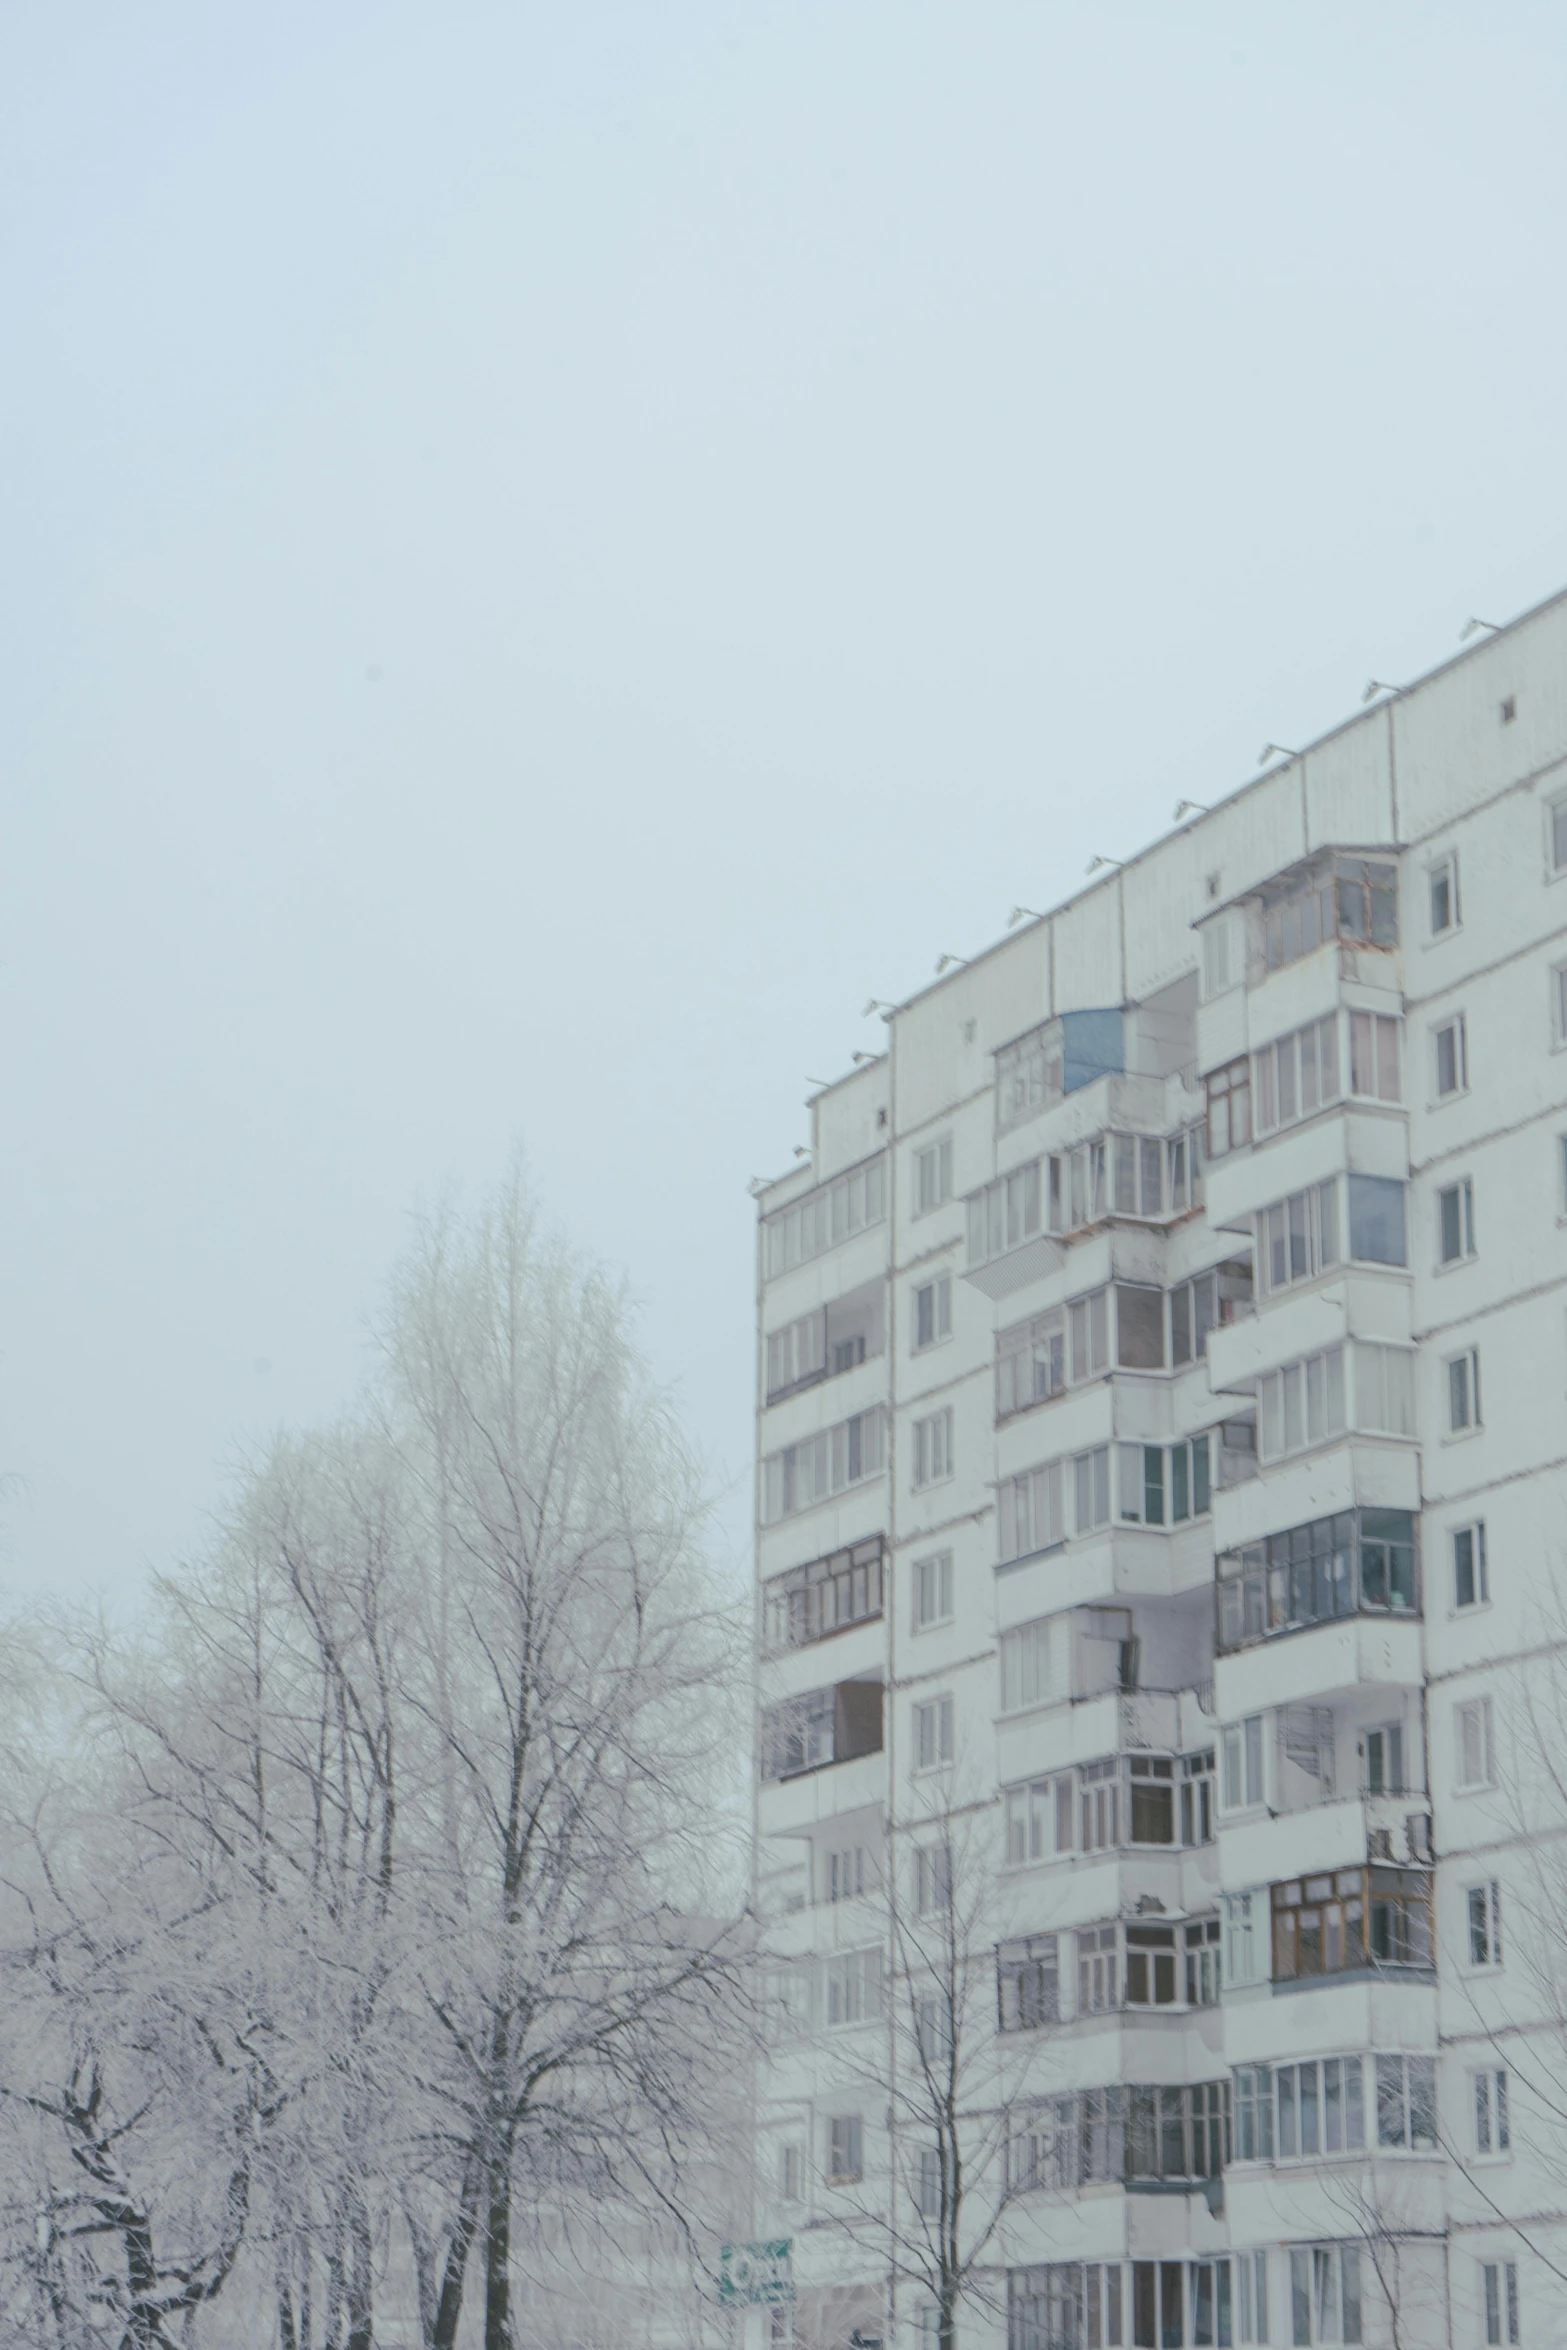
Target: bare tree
414,1804
969,2036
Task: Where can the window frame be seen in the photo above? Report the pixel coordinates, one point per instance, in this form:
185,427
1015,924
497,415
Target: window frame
939,1151
938,1288
1483,1926
1555,805
1443,871
941,1577
1456,1026
934,1449
1558,1007
937,1713
1462,1193
1479,1566
1490,2115
1499,2304
836,2170
1461,1373
1484,1721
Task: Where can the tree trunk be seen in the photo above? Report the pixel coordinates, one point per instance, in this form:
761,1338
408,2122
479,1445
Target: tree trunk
497,2257
361,2277
448,2310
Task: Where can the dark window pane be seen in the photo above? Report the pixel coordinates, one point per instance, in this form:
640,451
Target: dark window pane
1376,1220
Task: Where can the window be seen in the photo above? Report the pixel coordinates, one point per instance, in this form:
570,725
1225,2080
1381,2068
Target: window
1384,1389
1350,1919
933,1175
1150,1966
933,1734
1098,1970
1039,1820
1556,820
811,1603
1091,1489
1030,1074
1298,1075
831,1213
1139,1328
1324,2294
932,1590
1298,1237
1030,1363
1473,1756
1300,1404
1455,1221
853,1988
1406,2102
1240,1744
844,1873
933,1312
1005,1214
1201,1941
1471,1577
845,2150
1028,1983
1452,1061
1158,1484
1373,1056
933,1448
1152,1798
1358,903
821,1726
1463,1391
1384,1758
1483,1913
1359,1562
1209,1302
1025,1666
1559,1005
1317,2108
927,2182
1030,1513
1245,1937
822,1465
1442,885
1499,2278
1376,1220
1493,2132
1229,1108
791,2173
1088,1325
932,1879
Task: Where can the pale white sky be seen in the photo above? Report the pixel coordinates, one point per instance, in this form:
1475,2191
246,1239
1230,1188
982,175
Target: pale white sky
551,551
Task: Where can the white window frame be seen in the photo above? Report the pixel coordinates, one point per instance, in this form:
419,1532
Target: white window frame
1301,1405
1490,2113
1318,2271
845,2147
1462,1192
1483,1925
1499,2304
1474,1727
933,1747
1558,1007
1461,1391
1556,835
1456,1026
1243,1751
1248,1953
939,1290
932,1159
930,1584
1028,1665
1091,1478
933,1448
791,2171
1443,869
1479,1565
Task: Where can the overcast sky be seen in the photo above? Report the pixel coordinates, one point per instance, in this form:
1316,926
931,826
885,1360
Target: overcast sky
551,551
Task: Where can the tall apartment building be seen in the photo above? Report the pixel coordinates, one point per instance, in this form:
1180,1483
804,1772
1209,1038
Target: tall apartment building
1161,1440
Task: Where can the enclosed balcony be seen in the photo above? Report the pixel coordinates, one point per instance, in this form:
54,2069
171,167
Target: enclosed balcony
1357,1563
1351,1921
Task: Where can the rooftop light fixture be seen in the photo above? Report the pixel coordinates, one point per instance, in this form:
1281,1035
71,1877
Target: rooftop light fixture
951,963
1189,808
1379,685
862,1060
1023,914
1275,751
1096,864
1469,628
876,1005
801,1151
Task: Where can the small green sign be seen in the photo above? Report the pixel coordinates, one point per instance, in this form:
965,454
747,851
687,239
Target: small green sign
756,2272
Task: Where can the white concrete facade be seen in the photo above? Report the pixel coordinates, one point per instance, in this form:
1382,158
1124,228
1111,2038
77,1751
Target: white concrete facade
1299,1413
